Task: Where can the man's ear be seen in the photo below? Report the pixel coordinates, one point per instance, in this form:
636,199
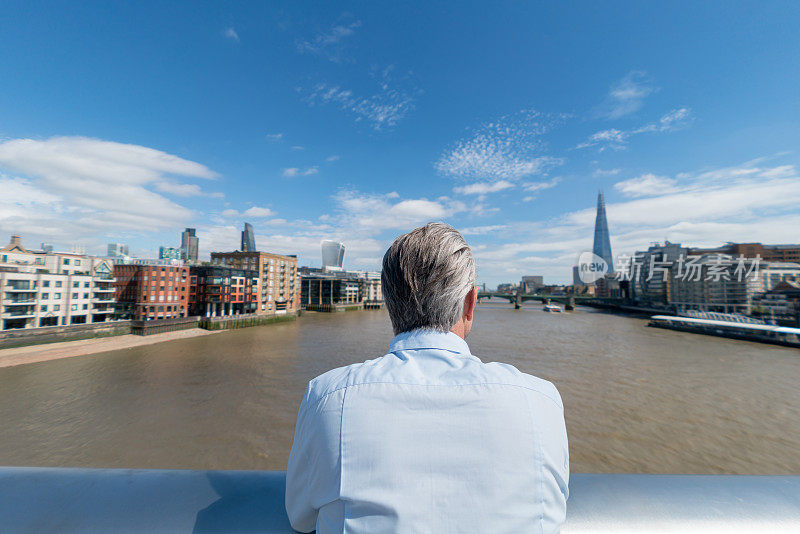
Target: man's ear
470,302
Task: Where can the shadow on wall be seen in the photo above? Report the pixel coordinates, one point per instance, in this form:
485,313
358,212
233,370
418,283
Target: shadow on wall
248,502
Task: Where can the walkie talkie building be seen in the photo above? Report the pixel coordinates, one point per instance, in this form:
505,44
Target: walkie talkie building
332,254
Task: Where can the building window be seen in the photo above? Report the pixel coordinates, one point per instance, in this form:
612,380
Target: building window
86,284
86,295
43,308
75,295
74,307
77,262
45,296
57,307
46,283
58,283
56,295
85,306
66,261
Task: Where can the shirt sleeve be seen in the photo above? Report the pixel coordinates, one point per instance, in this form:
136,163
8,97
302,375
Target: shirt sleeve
302,515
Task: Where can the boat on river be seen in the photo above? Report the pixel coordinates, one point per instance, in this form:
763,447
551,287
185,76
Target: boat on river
552,308
764,333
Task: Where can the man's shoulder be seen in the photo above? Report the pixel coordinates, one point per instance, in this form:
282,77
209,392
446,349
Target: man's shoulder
508,374
477,372
335,379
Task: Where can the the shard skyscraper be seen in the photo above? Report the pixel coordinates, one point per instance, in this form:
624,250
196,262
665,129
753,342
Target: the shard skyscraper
602,241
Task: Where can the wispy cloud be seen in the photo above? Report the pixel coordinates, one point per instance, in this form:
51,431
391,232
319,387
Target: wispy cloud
185,190
482,188
230,33
330,43
93,186
503,150
298,147
646,185
626,96
615,139
606,172
275,136
254,211
382,111
291,172
331,159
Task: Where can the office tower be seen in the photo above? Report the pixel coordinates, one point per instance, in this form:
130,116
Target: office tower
248,239
602,241
332,254
115,250
189,243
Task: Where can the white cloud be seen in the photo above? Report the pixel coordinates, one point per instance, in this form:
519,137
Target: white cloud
540,186
618,139
291,172
185,190
382,111
747,202
506,149
482,188
483,230
298,147
330,43
626,96
606,172
646,185
331,159
275,136
374,213
230,33
257,211
101,186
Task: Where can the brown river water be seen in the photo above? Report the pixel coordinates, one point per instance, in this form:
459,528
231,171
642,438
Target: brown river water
637,399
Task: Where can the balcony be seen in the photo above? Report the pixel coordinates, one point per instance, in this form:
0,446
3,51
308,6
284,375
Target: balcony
104,289
19,302
19,314
104,298
102,310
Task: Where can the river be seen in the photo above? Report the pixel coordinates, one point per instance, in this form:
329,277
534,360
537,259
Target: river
637,399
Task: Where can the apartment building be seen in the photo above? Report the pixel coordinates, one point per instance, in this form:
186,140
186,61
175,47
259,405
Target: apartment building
42,288
219,291
149,292
278,282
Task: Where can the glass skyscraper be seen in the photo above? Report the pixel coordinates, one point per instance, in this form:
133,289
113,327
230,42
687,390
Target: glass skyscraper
248,239
602,240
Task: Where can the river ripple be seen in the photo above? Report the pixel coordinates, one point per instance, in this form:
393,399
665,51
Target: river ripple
637,399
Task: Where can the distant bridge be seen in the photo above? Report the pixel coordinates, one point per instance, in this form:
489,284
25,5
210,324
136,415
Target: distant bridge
518,298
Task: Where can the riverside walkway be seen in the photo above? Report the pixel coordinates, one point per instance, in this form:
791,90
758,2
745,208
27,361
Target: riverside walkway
123,500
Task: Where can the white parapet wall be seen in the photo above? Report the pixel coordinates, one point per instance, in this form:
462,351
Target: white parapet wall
116,500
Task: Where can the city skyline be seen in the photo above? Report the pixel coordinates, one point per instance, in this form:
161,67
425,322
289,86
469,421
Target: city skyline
316,125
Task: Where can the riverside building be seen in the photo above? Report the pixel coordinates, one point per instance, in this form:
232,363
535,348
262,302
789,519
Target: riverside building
221,291
278,283
328,289
148,292
39,288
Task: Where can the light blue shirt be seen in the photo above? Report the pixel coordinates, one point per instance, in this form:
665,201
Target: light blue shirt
428,439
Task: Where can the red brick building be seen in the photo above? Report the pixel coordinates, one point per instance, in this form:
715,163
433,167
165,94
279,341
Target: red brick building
148,292
221,291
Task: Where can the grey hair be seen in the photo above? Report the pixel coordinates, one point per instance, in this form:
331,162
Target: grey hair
426,275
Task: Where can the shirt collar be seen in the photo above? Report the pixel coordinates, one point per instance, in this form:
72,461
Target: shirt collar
422,338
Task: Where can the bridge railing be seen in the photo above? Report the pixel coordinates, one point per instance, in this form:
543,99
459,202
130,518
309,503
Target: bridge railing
116,500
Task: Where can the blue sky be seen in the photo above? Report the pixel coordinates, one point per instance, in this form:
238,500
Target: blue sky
359,121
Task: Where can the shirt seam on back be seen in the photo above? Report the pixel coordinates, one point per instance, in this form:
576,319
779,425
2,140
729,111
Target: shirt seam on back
543,394
341,459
